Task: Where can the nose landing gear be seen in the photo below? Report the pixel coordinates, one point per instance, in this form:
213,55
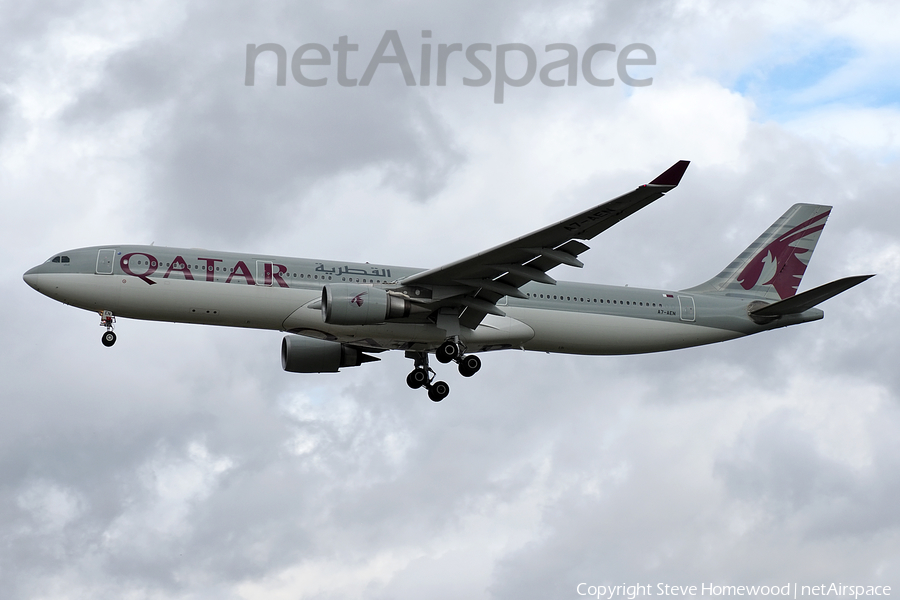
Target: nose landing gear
107,319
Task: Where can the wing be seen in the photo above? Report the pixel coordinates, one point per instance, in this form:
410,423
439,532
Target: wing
473,285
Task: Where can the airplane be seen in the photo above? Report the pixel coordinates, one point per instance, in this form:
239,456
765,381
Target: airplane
339,314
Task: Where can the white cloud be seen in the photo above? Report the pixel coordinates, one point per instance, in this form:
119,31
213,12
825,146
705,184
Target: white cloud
51,506
873,133
161,511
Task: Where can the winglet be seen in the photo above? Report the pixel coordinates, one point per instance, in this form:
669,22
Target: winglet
673,174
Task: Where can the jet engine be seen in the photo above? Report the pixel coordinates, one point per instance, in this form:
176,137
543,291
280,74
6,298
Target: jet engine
350,304
301,354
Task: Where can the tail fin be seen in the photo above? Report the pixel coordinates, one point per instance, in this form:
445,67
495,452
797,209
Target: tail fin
772,266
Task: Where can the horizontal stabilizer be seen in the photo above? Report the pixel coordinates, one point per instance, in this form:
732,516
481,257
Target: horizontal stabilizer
806,300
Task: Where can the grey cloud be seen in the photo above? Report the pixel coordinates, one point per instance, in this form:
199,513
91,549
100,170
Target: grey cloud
779,466
214,145
7,106
776,465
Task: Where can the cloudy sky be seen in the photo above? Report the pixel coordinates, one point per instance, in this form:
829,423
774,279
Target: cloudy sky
183,463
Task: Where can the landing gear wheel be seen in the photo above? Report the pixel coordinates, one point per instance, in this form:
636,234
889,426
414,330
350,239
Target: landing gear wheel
469,365
417,378
438,391
108,339
447,351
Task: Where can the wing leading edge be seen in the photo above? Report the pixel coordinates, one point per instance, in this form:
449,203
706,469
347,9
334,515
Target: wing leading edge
473,285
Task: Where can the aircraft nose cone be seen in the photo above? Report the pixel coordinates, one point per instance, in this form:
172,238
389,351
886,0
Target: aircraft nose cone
31,277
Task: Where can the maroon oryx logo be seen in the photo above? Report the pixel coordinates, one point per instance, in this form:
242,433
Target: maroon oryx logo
358,299
780,261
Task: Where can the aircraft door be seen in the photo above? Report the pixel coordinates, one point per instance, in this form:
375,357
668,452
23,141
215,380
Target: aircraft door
686,303
105,258
264,272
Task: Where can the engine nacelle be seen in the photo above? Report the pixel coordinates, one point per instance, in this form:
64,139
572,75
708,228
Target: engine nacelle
351,304
301,354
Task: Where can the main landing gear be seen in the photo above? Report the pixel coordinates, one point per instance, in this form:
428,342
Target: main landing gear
107,319
453,349
423,376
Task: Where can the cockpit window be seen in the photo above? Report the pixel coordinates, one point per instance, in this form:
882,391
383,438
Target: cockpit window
55,259
60,259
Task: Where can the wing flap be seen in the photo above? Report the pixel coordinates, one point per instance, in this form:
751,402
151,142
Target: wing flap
560,256
494,285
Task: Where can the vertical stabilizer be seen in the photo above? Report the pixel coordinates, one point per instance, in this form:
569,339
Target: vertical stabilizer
772,267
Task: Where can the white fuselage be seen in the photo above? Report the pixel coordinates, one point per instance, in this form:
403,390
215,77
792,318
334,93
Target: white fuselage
220,288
